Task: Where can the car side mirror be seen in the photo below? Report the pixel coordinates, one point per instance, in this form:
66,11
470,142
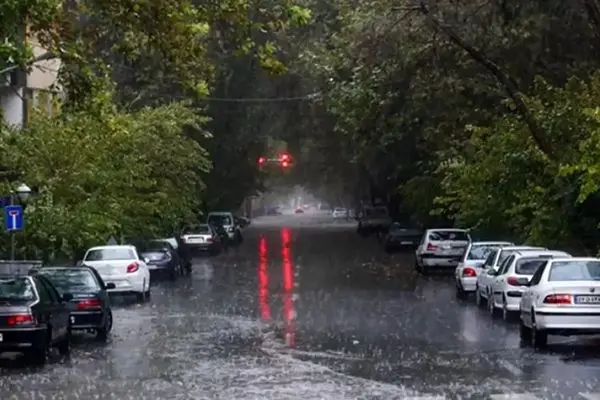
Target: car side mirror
523,281
146,260
110,285
79,263
492,272
67,297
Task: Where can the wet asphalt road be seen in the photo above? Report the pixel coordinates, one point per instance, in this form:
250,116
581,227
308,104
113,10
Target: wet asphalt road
306,309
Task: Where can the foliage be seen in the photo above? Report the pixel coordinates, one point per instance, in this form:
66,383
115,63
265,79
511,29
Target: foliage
114,173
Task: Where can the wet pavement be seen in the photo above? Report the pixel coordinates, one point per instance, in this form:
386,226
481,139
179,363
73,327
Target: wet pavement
307,309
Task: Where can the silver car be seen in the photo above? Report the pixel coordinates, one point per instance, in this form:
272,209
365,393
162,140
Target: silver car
441,248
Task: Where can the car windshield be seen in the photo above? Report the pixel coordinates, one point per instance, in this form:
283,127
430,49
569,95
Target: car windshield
528,266
575,270
171,241
19,289
72,280
108,254
449,235
198,229
216,219
481,251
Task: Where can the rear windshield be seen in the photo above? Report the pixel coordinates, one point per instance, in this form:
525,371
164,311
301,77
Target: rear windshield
575,271
109,254
449,235
480,252
72,280
219,220
19,289
528,266
196,229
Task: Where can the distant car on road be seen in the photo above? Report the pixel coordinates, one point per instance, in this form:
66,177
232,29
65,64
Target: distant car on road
441,249
401,236
203,237
339,212
299,211
33,316
162,258
90,307
123,266
562,298
227,221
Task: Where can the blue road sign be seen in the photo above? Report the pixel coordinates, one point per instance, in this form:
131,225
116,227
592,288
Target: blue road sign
13,218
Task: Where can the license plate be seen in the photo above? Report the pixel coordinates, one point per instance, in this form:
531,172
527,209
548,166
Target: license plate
587,299
196,240
406,242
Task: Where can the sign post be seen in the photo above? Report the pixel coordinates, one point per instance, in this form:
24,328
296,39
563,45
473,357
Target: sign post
13,221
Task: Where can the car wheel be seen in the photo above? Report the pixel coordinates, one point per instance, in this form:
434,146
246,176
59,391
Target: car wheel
64,346
460,293
102,333
506,315
478,297
524,333
539,337
39,353
491,307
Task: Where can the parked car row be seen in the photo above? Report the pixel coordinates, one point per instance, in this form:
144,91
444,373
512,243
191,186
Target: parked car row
550,291
40,306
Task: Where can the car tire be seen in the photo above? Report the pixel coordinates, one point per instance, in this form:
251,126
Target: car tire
506,315
491,307
173,273
38,355
460,293
525,334
539,337
64,345
478,297
102,333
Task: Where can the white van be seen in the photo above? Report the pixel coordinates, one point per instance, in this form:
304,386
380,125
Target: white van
227,220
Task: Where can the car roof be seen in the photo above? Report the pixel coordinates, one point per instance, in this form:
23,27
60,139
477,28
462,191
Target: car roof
503,244
220,213
447,230
575,259
113,247
521,248
540,253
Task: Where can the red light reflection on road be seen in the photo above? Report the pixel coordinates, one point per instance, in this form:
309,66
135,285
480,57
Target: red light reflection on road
289,313
263,280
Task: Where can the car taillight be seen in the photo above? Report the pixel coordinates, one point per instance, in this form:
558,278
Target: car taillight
469,272
209,240
133,267
513,281
431,247
558,299
89,303
20,319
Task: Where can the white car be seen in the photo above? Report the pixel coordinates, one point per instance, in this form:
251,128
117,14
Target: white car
505,290
465,275
122,266
339,212
562,298
441,248
227,220
491,265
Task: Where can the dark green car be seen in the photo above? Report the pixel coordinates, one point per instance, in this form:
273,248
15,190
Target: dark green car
90,304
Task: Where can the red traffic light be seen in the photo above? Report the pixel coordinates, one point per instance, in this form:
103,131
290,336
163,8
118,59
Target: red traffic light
261,160
285,157
285,164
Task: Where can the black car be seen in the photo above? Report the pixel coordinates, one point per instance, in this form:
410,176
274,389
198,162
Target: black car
162,257
401,236
33,315
90,305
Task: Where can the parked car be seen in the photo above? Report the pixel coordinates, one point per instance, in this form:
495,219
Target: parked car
401,236
227,221
299,211
562,298
373,220
33,315
205,238
90,306
339,212
505,289
161,258
491,265
471,265
441,249
123,266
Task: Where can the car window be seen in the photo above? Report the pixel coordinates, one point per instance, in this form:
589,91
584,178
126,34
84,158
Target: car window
505,265
54,295
489,261
108,254
203,228
575,270
19,289
528,266
448,235
480,252
537,276
220,219
72,280
504,254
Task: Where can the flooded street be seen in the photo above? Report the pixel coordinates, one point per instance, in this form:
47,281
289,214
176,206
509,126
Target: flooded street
307,309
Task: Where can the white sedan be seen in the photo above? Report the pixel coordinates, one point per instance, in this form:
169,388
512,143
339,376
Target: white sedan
123,266
505,290
465,274
562,298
